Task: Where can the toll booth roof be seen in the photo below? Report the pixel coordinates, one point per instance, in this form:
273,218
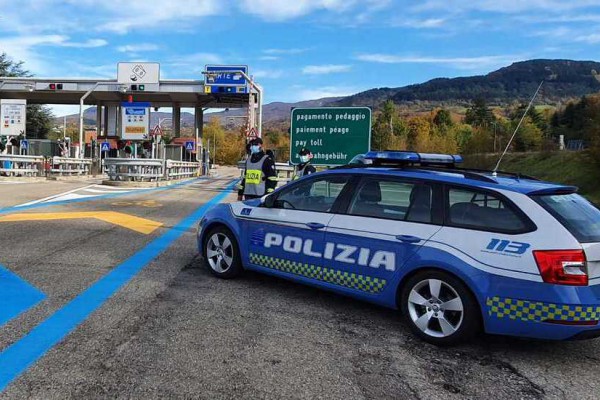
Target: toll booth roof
184,93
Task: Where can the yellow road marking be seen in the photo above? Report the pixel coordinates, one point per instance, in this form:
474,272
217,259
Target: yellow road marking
136,224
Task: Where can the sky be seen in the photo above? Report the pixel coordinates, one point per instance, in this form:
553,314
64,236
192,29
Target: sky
297,49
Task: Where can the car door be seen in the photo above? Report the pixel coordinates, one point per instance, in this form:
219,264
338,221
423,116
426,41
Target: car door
386,221
287,238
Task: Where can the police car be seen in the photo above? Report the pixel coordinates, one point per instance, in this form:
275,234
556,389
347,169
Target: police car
457,251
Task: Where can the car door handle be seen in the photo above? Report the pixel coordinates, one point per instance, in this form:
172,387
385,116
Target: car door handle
408,239
315,225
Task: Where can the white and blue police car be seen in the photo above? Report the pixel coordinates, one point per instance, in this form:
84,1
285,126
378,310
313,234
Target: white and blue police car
455,250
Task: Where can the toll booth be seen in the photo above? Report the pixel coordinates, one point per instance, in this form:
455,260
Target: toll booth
223,87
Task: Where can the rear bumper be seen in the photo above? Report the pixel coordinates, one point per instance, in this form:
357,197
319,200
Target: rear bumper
539,310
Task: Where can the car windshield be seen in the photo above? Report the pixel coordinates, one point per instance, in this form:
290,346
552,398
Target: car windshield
577,214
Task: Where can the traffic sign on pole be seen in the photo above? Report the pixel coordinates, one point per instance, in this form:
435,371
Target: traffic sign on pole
104,147
334,135
156,131
252,134
24,144
190,146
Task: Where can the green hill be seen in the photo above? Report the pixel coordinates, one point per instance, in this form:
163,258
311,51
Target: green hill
565,79
566,167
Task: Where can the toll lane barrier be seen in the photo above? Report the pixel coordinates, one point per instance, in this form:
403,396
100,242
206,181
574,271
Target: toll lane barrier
63,166
149,170
15,165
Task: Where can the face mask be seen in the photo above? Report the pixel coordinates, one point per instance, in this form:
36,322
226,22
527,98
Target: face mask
304,159
254,149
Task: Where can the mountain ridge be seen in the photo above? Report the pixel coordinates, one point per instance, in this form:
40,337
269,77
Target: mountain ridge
564,80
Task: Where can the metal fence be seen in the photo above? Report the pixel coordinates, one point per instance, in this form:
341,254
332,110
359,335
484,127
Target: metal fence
14,165
62,166
149,170
117,169
182,169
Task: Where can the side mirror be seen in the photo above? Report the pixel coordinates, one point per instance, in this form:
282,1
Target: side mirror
268,201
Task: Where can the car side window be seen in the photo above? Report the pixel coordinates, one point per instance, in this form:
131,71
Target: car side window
482,210
390,199
312,195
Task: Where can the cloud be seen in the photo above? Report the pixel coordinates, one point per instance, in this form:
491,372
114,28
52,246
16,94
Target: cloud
504,6
268,73
191,64
281,10
292,51
325,69
268,58
136,48
457,62
325,91
428,23
91,43
592,38
155,14
23,48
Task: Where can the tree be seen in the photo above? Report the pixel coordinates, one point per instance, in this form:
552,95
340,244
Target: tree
479,114
389,130
39,118
529,137
443,119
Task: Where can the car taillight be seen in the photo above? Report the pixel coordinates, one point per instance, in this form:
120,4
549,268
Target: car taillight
562,267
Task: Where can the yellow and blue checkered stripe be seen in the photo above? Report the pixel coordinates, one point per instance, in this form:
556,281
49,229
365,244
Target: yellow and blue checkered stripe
537,311
363,283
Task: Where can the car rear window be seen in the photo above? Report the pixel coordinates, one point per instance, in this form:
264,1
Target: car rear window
576,214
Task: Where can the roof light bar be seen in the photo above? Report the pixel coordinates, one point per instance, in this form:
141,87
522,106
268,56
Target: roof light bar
409,157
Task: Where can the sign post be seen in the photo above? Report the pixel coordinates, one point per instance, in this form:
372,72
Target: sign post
146,76
223,81
334,135
12,117
135,121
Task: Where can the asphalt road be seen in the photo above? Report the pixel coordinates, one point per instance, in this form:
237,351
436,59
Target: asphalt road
175,331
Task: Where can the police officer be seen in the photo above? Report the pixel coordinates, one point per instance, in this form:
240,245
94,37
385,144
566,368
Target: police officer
305,167
260,177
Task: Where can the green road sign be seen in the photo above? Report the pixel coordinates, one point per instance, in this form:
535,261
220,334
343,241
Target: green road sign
333,134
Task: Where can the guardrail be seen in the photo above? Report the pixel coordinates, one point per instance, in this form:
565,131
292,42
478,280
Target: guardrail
14,165
182,169
134,169
64,166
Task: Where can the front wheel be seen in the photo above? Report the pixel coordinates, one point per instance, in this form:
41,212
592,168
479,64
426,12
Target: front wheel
221,253
439,308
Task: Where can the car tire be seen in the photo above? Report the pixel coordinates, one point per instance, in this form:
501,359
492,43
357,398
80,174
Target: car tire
221,253
439,308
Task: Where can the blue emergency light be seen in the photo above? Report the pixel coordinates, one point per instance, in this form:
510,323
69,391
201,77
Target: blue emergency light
411,157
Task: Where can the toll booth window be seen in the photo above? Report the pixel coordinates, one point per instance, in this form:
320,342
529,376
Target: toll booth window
482,210
313,195
402,201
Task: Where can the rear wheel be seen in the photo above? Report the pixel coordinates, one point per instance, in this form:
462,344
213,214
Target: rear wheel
439,308
221,253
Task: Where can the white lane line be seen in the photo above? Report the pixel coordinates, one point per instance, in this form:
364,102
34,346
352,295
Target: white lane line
45,199
71,196
117,189
101,191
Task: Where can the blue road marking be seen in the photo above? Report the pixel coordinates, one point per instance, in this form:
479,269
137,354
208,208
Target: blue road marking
18,357
16,296
104,196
